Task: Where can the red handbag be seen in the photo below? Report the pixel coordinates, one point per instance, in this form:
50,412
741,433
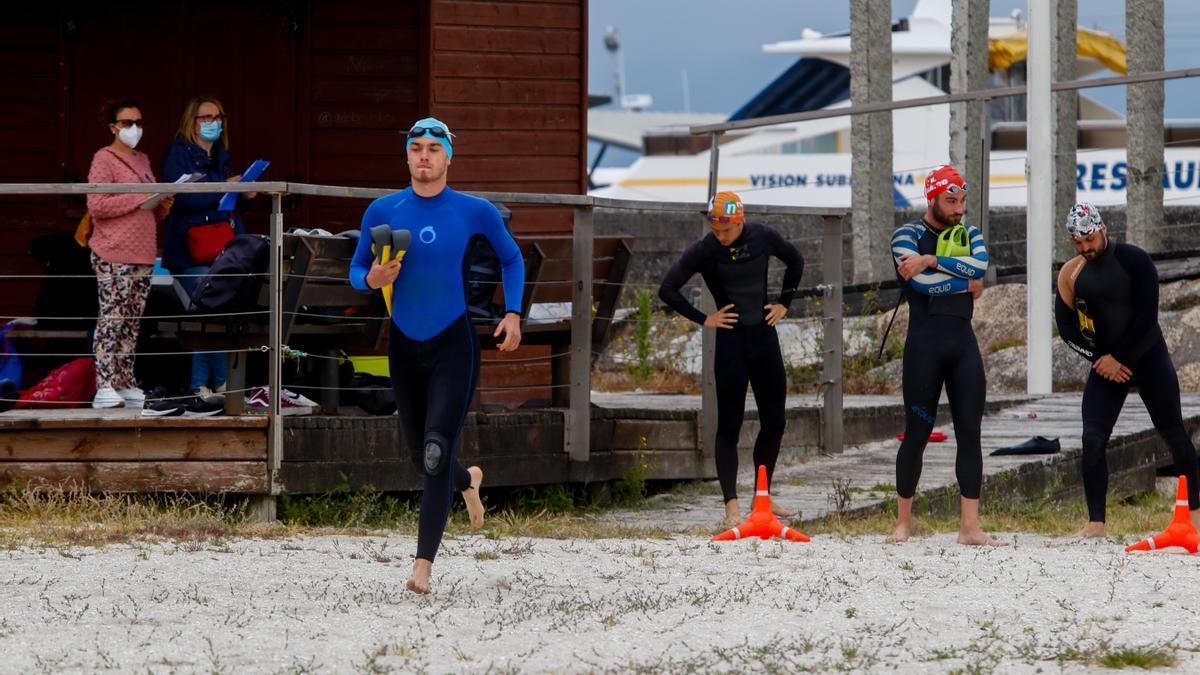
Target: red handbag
205,242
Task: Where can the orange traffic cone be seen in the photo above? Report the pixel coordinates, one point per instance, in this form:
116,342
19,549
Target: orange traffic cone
761,523
1180,532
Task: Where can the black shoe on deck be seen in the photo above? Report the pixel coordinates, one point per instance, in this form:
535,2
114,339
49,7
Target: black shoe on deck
159,405
200,407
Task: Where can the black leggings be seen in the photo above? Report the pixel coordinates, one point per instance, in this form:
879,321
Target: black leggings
942,351
748,355
1102,403
434,381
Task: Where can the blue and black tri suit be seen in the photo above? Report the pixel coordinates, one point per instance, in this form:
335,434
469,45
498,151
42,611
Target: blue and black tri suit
1116,312
749,352
941,349
433,352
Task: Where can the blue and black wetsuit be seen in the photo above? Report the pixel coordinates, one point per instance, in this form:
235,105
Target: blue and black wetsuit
941,349
1116,312
433,352
749,352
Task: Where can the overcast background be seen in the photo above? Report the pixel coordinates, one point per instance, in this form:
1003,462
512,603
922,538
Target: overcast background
719,44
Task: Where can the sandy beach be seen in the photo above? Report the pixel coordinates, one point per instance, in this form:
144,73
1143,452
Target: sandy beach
324,603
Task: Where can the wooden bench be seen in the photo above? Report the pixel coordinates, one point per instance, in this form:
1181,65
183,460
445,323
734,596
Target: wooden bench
548,275
315,282
322,314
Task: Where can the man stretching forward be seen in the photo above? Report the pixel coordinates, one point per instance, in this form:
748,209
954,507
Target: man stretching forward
1107,311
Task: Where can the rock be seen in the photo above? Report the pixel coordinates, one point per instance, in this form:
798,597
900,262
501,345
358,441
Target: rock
999,320
1005,369
1179,295
1189,377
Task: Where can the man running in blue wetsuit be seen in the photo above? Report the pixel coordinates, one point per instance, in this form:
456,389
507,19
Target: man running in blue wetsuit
1107,311
941,264
433,352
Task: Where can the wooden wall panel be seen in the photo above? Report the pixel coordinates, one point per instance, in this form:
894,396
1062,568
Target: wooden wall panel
509,78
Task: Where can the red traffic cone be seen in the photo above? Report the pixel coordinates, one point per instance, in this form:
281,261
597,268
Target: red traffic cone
761,523
1180,532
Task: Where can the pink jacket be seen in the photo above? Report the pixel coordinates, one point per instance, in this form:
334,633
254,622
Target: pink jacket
122,232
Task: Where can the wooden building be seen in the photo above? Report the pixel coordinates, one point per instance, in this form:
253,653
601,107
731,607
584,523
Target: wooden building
322,89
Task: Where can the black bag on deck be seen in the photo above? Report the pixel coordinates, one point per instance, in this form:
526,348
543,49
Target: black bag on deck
244,254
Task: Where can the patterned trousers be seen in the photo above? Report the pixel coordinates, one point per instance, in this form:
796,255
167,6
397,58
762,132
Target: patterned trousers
123,290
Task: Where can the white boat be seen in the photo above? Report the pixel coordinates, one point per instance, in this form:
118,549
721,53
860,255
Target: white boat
808,163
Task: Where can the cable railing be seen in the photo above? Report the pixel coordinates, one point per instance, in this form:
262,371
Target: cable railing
575,314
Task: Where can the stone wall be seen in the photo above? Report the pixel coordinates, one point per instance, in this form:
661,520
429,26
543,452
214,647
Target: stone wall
662,238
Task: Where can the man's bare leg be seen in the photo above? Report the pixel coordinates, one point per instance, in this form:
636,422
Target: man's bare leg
419,581
970,533
781,511
904,521
733,513
1196,518
473,500
1093,530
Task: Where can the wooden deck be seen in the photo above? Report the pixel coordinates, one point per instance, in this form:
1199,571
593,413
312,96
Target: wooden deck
118,450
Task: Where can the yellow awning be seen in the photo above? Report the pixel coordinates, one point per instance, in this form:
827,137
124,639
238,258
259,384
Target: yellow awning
1003,52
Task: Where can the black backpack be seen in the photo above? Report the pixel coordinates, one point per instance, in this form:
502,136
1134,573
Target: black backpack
244,254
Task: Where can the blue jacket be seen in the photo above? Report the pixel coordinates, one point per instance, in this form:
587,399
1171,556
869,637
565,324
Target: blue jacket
198,208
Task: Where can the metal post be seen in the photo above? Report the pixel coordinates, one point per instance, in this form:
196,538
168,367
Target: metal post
708,336
275,430
579,414
985,178
831,315
1039,219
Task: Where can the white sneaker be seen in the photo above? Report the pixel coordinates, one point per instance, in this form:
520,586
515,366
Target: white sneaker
299,399
107,397
134,398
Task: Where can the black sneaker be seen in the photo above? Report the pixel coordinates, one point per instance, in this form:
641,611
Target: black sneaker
159,405
202,407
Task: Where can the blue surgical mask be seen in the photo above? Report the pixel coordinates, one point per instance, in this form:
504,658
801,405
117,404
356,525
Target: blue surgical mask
210,131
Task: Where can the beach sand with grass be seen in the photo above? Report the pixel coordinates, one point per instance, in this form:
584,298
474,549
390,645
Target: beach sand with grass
307,602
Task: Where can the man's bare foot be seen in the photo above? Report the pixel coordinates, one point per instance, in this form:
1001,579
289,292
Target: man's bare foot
419,581
1093,530
733,514
780,511
978,538
900,535
472,498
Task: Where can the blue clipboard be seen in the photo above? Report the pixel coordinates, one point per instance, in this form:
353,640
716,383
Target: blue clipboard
229,199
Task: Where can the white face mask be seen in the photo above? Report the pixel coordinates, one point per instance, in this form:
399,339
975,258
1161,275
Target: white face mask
130,136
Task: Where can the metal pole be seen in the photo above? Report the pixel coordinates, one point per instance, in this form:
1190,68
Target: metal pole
275,430
1039,229
985,178
708,339
831,315
579,414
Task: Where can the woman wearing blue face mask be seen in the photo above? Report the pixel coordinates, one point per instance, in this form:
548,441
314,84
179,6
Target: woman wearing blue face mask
196,230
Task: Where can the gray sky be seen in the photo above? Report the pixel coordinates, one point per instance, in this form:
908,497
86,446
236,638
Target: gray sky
719,43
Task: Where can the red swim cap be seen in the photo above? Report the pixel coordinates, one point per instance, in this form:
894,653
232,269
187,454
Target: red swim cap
944,178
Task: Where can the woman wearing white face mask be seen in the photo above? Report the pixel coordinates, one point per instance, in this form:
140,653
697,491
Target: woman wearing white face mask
123,249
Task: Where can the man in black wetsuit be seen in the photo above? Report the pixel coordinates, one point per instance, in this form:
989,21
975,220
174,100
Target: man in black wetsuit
732,259
941,263
1107,311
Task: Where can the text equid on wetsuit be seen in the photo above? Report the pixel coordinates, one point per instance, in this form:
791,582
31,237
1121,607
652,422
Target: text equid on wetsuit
1109,306
941,348
749,352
